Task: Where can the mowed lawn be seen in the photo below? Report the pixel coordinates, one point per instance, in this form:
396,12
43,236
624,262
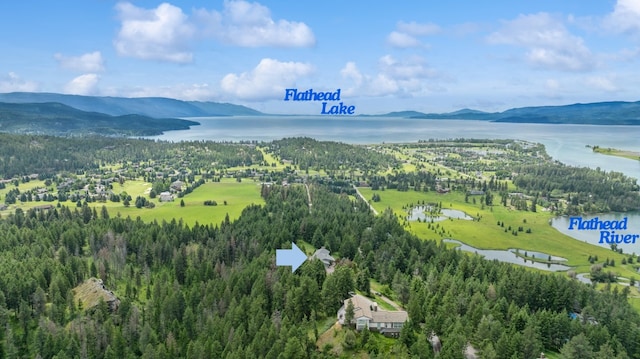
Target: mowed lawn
237,194
487,234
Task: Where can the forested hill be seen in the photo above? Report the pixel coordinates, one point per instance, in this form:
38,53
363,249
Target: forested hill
60,119
600,113
215,292
147,106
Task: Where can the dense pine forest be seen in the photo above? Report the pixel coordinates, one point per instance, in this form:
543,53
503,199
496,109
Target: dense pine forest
178,290
208,292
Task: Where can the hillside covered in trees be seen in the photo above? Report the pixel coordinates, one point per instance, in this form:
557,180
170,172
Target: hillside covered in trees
214,291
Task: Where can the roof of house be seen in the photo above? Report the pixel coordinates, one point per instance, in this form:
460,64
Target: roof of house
364,307
323,255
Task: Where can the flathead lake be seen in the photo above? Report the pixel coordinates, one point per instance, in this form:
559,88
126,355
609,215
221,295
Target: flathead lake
565,143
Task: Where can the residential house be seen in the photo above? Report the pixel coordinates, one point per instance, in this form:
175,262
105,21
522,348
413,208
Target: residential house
177,186
323,255
366,314
165,197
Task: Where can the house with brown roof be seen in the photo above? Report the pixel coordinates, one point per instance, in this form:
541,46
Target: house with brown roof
366,314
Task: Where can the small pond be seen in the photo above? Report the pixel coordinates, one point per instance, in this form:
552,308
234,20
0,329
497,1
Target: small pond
538,255
421,212
509,256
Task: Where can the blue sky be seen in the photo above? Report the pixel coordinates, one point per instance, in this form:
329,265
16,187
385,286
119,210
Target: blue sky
384,56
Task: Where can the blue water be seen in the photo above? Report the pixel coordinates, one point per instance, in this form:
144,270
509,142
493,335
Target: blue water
593,236
510,256
565,143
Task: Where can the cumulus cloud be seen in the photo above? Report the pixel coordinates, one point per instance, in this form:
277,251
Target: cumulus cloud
267,80
351,72
248,24
405,78
13,83
86,84
548,44
163,33
407,33
166,33
89,62
625,17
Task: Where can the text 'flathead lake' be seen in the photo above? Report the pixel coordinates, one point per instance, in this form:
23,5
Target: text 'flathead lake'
310,95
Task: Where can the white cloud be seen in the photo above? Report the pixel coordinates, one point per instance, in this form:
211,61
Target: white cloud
267,80
625,17
86,84
163,33
417,29
407,33
402,78
351,72
402,40
13,83
166,33
549,44
602,83
89,62
248,24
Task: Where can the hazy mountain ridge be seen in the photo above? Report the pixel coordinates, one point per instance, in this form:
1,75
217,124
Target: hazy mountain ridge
597,113
60,119
160,107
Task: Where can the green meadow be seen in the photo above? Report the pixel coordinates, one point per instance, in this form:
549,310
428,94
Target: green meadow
485,233
237,194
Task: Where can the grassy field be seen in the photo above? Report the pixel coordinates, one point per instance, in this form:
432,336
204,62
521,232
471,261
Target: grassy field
487,234
619,153
237,194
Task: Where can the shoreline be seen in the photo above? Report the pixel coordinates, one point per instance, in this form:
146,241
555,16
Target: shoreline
632,155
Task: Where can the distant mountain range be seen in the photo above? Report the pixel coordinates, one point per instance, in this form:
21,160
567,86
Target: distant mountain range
146,106
58,114
62,120
598,113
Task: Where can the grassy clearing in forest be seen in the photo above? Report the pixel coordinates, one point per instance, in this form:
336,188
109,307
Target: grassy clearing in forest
237,194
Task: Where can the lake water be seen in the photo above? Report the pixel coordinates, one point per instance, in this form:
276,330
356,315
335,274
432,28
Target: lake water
510,256
565,143
593,236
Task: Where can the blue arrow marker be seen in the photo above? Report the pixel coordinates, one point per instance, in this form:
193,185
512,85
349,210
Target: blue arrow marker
293,257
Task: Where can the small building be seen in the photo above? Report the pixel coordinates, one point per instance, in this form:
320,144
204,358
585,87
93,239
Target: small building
366,314
165,197
44,207
177,186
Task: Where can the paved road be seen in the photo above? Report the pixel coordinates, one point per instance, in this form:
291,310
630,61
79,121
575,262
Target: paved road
365,200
